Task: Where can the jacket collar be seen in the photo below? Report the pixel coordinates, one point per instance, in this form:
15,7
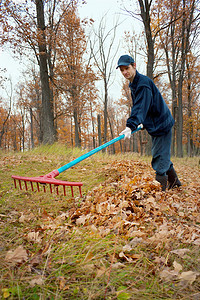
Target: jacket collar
133,84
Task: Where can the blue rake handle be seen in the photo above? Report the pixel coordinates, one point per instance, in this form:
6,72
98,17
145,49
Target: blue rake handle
86,155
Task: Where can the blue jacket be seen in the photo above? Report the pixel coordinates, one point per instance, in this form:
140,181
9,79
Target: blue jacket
149,107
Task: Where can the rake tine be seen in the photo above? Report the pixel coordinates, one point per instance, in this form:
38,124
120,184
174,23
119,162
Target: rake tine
57,191
20,185
50,188
64,190
44,187
25,183
38,188
15,183
32,186
80,191
72,191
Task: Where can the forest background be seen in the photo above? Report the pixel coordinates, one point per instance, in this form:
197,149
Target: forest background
64,93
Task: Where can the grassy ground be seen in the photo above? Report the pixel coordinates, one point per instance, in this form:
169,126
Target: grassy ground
125,239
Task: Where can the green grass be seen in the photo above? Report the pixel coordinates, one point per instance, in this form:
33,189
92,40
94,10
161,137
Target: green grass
71,261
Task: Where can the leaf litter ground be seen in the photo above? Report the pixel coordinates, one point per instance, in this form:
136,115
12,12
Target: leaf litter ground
125,239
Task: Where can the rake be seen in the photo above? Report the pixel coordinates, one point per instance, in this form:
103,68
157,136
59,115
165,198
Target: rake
49,179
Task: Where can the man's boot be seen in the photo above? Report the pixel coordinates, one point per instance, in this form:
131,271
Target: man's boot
173,179
163,181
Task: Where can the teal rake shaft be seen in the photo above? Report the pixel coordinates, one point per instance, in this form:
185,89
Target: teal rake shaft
88,154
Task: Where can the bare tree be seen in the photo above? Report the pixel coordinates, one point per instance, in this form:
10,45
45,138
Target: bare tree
30,28
104,57
5,118
187,21
144,16
48,129
177,41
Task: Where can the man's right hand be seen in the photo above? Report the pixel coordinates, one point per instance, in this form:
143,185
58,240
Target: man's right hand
127,133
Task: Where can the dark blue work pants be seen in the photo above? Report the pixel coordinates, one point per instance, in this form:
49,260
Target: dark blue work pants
161,152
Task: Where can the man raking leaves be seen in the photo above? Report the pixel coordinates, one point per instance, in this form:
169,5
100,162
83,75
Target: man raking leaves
150,109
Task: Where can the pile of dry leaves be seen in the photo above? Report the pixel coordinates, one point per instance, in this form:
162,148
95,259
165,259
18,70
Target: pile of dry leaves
131,201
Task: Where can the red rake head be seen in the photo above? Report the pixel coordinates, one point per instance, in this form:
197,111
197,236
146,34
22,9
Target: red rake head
47,179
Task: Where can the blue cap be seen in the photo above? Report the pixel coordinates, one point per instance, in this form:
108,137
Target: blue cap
125,60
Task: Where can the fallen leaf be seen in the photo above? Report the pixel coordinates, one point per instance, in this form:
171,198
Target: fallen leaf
62,217
34,237
81,220
93,228
134,242
101,271
177,267
160,260
22,218
122,294
180,252
117,265
6,293
38,280
36,260
62,283
188,277
197,242
135,233
19,255
135,256
127,248
168,275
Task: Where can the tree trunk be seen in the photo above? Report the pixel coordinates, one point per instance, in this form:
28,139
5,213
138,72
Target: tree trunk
189,108
141,144
148,145
48,129
112,135
105,111
145,14
77,131
99,128
145,7
135,143
187,22
93,129
32,137
23,133
174,108
72,140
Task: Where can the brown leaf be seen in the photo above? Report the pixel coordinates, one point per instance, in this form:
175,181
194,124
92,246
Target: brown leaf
101,271
19,255
168,275
127,248
81,220
37,280
180,252
34,237
135,256
197,242
62,283
188,277
177,267
135,233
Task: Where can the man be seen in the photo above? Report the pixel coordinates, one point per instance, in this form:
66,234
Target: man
150,109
